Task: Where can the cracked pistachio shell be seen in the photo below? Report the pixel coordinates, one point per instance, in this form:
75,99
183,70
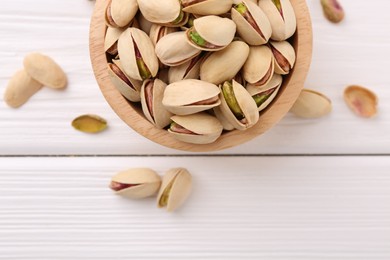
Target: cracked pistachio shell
127,52
205,128
215,30
119,13
20,88
247,105
152,93
128,87
111,40
284,56
175,189
45,70
362,101
187,96
161,12
222,119
273,85
207,7
218,67
246,30
259,67
136,183
188,70
174,50
159,31
283,21
311,104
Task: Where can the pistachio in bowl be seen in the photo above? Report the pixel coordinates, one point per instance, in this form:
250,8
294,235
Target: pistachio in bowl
201,75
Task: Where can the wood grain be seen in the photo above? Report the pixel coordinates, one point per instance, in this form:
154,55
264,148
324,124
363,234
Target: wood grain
134,117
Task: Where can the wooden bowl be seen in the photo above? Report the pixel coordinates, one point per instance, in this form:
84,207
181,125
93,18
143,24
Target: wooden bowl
133,116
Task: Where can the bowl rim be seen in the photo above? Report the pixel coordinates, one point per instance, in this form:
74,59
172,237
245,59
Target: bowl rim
132,116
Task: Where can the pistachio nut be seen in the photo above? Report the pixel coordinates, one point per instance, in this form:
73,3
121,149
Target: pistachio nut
311,104
174,50
252,23
20,88
45,70
264,95
199,128
284,56
91,124
218,67
333,10
137,55
119,13
175,189
188,70
211,33
111,40
128,87
190,96
136,183
259,67
238,106
144,24
152,92
167,12
362,101
222,119
281,15
207,7
159,31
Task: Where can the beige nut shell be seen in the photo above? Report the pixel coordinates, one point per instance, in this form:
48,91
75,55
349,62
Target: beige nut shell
311,104
209,7
123,11
288,52
158,11
260,61
185,71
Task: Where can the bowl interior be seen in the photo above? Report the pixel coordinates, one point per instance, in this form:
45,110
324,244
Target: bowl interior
132,115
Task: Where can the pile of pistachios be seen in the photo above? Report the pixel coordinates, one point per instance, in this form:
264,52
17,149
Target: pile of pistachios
199,67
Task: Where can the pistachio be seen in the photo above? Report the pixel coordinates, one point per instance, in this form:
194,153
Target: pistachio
159,31
311,104
175,189
333,11
20,88
362,101
259,67
111,40
136,183
188,70
168,12
45,70
119,13
284,56
207,7
89,123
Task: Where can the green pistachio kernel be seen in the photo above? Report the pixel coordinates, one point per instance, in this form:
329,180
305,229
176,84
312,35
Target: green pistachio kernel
197,39
241,8
230,98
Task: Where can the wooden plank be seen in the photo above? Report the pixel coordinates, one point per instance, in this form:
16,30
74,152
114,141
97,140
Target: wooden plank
354,52
282,208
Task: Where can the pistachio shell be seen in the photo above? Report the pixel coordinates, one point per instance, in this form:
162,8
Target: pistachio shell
174,50
362,101
215,30
207,7
45,70
259,67
222,119
246,104
136,183
159,31
284,56
175,189
157,11
333,10
273,87
204,128
188,70
283,27
119,13
246,30
121,82
218,67
89,124
311,104
20,88
183,97
127,53
111,40
144,24
151,101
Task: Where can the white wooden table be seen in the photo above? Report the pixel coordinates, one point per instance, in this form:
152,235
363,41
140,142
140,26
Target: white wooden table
307,189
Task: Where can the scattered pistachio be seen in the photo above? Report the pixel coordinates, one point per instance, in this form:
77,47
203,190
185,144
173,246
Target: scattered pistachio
175,188
89,123
311,104
362,101
333,11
